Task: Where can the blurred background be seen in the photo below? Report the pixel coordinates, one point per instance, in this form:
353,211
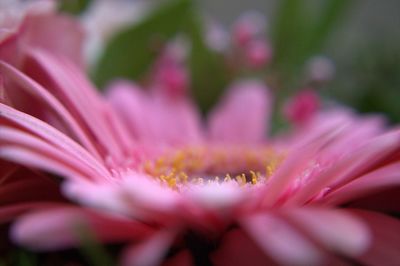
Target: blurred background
361,39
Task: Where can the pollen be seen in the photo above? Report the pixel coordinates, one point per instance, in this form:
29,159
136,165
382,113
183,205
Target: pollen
204,165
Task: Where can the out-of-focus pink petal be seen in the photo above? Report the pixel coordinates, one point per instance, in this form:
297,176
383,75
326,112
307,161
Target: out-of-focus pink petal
237,249
243,115
155,117
150,252
118,128
60,228
37,26
132,105
51,135
349,167
356,131
71,87
12,16
42,94
10,212
296,162
133,195
147,197
216,196
44,32
373,182
13,13
174,121
385,242
336,230
103,196
29,158
281,241
10,137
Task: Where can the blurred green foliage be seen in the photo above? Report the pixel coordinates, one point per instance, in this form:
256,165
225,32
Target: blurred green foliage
209,74
130,53
300,31
73,6
371,81
91,248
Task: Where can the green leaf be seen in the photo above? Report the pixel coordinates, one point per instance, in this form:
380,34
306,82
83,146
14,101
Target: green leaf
91,248
130,53
208,73
25,258
328,19
74,6
289,27
301,29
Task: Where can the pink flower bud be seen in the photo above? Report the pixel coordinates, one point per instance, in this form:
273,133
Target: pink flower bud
248,26
302,107
173,80
258,53
170,75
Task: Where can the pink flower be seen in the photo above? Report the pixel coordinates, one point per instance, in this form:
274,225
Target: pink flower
302,107
143,168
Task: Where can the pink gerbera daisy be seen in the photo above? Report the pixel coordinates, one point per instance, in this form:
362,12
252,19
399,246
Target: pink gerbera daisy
142,168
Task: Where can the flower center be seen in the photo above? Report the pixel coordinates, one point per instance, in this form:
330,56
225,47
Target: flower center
198,165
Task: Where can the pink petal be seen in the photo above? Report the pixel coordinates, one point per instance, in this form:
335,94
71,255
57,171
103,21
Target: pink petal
51,135
119,129
59,228
43,31
13,21
295,163
37,26
350,166
133,195
216,196
155,116
42,94
30,159
243,116
131,104
385,248
99,195
337,230
17,138
10,212
73,89
148,198
356,131
238,249
376,181
171,117
150,252
280,240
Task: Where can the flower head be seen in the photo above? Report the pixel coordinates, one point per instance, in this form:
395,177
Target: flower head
143,168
